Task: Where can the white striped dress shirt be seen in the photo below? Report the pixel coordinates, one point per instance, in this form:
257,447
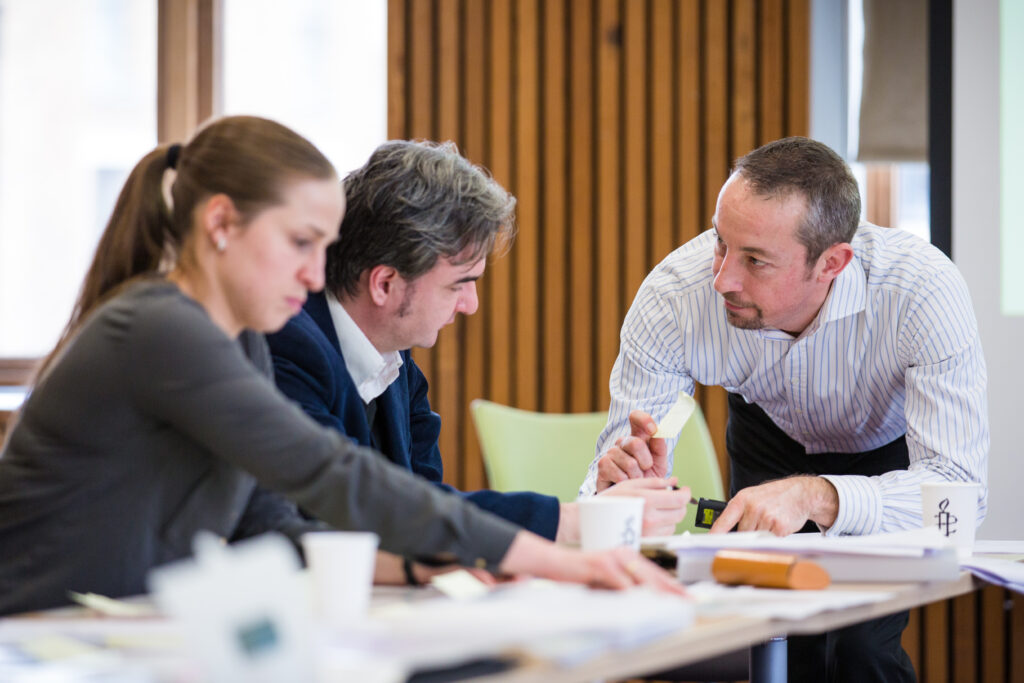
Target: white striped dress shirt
894,350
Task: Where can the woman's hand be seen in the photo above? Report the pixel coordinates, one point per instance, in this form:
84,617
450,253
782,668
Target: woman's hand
615,569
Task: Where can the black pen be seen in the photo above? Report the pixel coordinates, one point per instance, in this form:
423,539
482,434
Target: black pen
693,501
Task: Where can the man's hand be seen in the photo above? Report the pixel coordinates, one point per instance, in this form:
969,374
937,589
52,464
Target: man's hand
781,507
636,456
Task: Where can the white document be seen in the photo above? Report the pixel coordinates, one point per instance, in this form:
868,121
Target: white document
911,543
1006,573
674,421
914,555
993,547
717,600
556,620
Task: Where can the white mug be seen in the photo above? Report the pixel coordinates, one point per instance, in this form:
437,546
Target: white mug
610,522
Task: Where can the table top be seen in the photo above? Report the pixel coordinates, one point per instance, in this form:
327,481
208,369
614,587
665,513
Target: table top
706,637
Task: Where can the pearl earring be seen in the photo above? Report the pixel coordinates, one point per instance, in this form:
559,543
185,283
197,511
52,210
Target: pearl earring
222,243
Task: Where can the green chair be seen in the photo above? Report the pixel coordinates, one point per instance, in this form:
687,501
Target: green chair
544,452
549,452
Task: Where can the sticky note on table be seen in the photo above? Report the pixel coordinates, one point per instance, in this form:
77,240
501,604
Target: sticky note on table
459,584
676,418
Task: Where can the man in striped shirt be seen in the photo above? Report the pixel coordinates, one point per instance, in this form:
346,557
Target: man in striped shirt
852,361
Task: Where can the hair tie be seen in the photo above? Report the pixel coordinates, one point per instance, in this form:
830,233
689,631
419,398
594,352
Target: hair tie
172,155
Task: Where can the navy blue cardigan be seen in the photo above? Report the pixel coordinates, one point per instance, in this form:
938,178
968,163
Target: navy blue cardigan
310,369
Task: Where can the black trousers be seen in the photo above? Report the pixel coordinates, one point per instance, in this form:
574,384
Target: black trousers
759,451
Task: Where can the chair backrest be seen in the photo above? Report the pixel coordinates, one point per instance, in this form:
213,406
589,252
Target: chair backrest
544,452
549,452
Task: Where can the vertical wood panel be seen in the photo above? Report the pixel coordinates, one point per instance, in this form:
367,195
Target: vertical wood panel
554,284
911,639
661,140
798,80
936,643
965,648
635,190
526,253
398,63
609,135
716,101
447,370
422,53
771,109
993,634
744,77
693,217
499,285
474,146
1015,637
583,389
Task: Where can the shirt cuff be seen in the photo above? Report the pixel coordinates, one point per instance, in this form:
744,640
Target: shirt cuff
860,505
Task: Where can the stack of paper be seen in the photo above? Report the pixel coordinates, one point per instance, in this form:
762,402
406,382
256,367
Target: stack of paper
915,555
775,603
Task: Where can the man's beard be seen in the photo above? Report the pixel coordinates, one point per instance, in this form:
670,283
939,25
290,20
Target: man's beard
403,307
744,323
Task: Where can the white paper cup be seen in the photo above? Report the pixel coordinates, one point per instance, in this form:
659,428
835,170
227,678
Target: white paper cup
610,522
953,508
341,567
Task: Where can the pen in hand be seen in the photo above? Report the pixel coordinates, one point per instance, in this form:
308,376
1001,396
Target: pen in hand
693,501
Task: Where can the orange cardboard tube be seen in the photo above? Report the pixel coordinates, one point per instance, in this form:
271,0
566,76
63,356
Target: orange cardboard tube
768,570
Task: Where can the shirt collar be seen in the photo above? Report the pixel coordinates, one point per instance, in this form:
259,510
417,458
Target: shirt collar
848,295
371,371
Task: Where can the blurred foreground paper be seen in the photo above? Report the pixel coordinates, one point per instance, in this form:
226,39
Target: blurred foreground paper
244,608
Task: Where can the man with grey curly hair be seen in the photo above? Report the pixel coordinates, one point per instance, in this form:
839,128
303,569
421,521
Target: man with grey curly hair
420,222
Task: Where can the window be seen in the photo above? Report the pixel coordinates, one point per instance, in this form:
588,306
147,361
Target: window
893,194
77,110
324,73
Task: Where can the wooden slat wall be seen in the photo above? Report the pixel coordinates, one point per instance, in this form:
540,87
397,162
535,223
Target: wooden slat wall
975,638
614,123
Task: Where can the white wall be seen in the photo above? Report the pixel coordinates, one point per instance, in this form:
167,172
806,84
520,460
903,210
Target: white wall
976,250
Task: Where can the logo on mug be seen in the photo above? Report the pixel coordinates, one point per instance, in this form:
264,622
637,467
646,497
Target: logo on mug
947,520
629,535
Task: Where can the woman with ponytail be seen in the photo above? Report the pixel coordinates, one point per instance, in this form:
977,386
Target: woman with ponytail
154,416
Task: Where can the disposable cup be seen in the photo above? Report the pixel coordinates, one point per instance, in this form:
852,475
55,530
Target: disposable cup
341,567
